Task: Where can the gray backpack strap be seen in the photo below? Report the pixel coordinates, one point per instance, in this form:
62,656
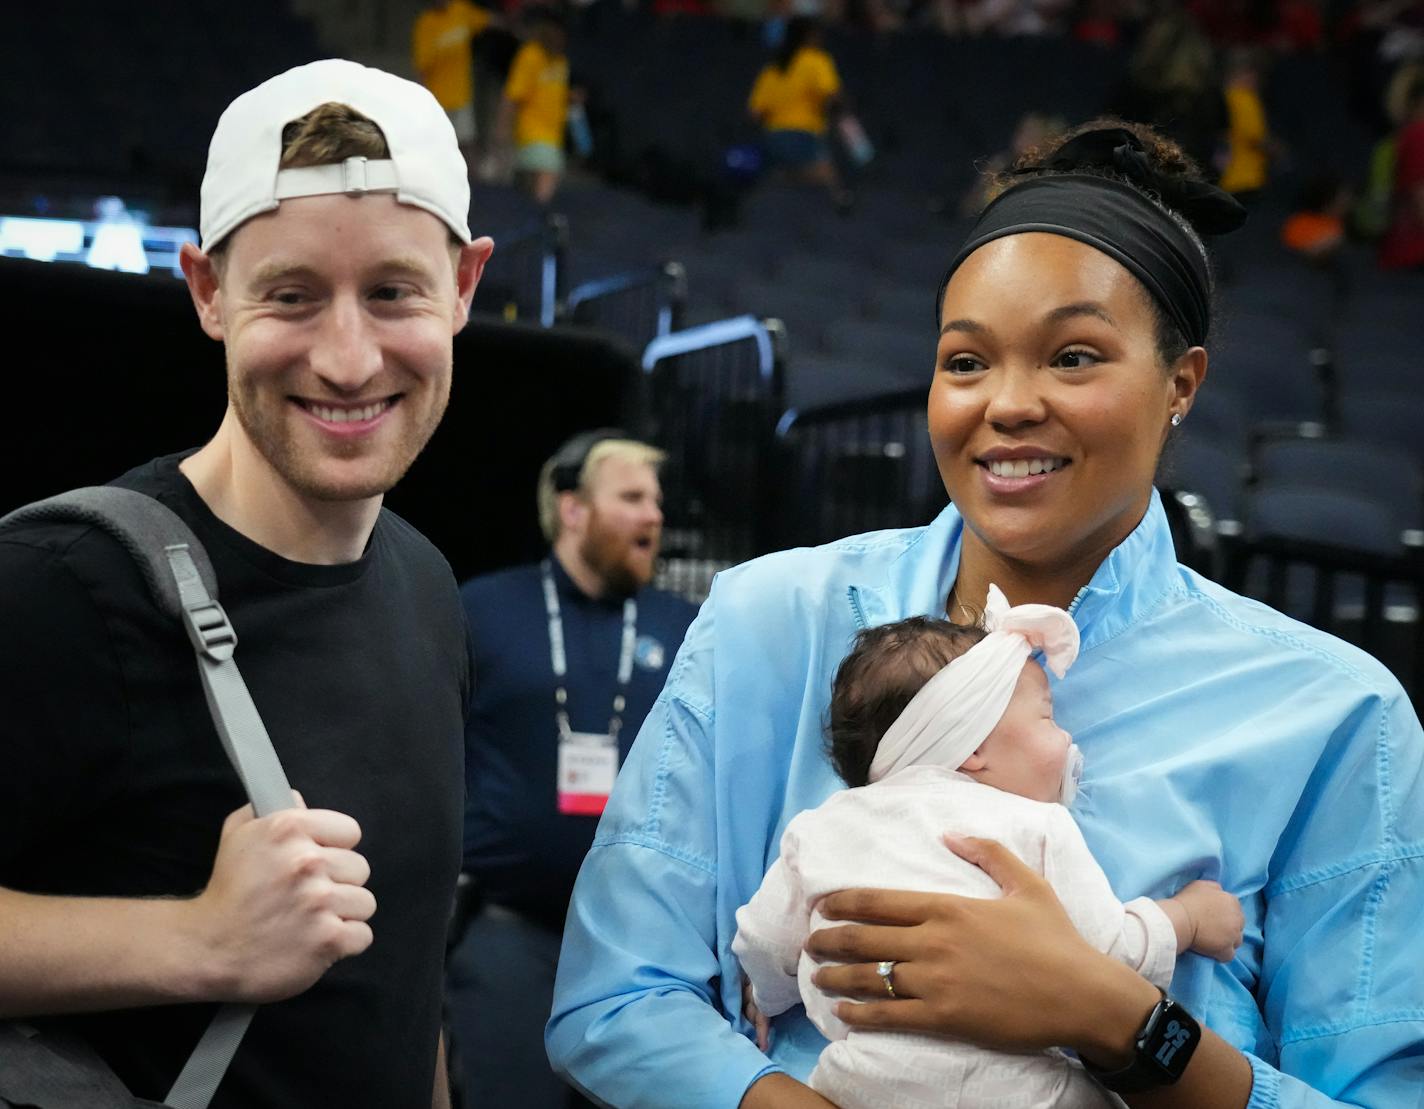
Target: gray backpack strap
144,527
182,582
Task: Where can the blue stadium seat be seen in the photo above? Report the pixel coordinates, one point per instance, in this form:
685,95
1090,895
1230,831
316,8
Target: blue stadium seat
921,262
1219,414
840,281
904,305
1392,417
891,354
814,379
1313,516
1379,354
1269,363
806,314
1388,476
1212,469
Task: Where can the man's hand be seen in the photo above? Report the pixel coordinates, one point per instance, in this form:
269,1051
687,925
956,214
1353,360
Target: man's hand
286,900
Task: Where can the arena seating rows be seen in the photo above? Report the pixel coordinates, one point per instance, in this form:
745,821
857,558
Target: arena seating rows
1306,431
1306,362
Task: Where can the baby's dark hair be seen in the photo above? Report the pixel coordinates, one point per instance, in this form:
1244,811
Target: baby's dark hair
886,667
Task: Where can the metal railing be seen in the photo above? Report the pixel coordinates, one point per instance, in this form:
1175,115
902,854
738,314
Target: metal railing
638,305
856,466
1396,639
711,396
522,280
1198,535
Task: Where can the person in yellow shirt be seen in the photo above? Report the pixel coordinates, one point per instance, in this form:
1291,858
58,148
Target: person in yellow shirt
536,104
1250,145
440,52
792,99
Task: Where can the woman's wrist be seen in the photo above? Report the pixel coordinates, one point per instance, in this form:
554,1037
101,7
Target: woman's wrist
1112,1015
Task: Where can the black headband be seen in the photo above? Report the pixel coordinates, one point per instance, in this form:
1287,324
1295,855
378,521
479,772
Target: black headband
1119,220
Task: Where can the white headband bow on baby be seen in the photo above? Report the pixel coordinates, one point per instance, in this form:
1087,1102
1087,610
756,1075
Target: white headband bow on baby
947,720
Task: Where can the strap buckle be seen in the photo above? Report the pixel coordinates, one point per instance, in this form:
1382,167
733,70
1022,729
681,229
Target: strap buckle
353,172
211,632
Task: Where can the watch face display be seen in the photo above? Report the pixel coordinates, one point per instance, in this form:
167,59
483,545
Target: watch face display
1164,1047
1175,1036
1170,1040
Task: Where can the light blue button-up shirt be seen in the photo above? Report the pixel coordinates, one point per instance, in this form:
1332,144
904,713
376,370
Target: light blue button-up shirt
1222,740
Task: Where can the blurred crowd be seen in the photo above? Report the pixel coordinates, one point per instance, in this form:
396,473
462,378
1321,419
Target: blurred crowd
1395,26
1200,72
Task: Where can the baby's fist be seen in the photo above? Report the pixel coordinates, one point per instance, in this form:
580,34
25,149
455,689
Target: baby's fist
758,1020
1217,919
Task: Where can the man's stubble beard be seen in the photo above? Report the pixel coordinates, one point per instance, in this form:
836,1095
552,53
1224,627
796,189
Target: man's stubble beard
266,428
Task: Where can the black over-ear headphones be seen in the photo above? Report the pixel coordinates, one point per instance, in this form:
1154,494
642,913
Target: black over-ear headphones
570,458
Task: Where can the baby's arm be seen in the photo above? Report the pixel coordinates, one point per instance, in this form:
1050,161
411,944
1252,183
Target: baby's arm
1139,934
771,929
1207,920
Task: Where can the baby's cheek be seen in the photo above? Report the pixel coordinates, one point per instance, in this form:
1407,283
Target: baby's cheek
1053,764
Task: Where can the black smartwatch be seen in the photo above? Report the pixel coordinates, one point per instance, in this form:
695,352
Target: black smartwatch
1162,1049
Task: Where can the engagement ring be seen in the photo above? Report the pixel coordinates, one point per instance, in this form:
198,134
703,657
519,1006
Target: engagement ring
886,970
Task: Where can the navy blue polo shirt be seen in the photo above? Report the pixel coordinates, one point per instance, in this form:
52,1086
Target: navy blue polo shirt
522,851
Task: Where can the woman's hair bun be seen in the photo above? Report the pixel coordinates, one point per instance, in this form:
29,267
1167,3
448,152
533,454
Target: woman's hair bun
1119,150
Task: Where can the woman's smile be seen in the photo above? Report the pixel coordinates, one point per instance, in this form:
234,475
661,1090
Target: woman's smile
1047,425
1012,471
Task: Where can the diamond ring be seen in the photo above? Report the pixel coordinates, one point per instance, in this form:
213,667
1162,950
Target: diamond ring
886,970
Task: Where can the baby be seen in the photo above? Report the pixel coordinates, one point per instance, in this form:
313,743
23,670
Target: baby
946,729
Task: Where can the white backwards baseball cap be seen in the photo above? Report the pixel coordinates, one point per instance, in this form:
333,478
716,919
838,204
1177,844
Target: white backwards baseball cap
425,167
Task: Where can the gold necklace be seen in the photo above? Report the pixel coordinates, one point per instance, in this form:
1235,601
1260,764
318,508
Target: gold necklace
975,617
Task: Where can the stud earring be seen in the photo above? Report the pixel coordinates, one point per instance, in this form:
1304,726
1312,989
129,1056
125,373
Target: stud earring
1176,419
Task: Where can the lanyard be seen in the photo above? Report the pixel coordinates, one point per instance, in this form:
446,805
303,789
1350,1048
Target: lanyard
559,660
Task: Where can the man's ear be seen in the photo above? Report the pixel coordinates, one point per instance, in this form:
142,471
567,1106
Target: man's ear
201,274
573,512
469,267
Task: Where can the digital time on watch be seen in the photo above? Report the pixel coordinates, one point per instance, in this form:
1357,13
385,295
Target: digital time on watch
1162,1048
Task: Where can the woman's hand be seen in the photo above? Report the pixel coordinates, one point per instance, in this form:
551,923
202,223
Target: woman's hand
1011,974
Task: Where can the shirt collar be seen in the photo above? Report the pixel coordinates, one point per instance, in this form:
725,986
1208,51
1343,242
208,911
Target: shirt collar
568,589
1129,583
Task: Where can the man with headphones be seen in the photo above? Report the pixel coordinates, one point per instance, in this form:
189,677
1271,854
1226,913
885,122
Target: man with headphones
569,655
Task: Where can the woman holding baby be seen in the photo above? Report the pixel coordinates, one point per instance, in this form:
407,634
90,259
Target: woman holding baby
1222,741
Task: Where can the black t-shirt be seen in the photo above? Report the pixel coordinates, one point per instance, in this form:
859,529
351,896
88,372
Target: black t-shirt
114,781
522,851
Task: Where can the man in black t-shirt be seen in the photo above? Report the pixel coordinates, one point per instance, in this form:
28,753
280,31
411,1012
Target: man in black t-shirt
136,891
